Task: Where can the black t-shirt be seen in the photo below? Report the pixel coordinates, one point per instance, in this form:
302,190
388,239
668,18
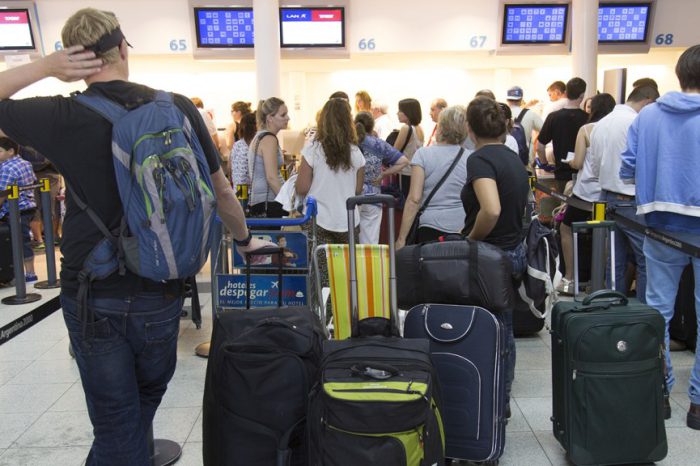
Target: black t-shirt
561,128
498,162
78,142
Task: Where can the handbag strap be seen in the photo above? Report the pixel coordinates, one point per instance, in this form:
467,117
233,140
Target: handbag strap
439,183
408,138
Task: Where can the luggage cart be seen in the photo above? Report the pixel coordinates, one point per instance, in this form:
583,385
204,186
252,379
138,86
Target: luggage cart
224,262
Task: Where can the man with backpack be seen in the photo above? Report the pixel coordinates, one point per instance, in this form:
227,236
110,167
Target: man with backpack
525,121
121,278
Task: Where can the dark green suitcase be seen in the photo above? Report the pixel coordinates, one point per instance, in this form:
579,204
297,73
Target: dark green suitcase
607,377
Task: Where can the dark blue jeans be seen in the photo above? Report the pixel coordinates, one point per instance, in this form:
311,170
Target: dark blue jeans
126,359
624,237
519,262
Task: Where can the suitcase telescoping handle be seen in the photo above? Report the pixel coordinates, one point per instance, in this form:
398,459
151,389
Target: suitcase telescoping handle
351,203
264,251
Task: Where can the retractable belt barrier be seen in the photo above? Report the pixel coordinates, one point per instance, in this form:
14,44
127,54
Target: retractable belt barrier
19,325
611,213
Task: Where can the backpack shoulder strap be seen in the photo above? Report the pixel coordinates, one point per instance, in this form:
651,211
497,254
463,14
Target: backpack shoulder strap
521,115
163,96
108,109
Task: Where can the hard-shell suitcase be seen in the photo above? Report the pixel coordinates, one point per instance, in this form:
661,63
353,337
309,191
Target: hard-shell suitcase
608,382
683,327
377,401
262,365
467,346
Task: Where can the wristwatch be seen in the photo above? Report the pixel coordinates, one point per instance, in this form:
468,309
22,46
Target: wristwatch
244,242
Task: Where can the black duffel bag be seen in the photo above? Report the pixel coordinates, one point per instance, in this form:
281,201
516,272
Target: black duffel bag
455,272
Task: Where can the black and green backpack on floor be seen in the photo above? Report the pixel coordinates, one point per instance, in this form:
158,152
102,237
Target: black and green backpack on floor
376,403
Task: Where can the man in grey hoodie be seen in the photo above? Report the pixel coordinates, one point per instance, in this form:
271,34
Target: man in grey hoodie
663,146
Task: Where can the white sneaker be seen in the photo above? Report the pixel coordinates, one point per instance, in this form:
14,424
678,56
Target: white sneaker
566,287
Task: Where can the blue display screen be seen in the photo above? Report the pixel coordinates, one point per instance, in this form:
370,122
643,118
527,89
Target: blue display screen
535,24
224,27
623,22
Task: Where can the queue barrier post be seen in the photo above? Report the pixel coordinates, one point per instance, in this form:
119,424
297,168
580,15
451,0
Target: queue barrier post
47,218
163,452
21,296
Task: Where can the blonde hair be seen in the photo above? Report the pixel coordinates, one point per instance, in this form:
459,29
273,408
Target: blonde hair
364,97
86,26
266,108
452,125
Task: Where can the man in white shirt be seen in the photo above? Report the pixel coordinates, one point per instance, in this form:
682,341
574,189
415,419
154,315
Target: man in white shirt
608,141
530,120
382,121
436,107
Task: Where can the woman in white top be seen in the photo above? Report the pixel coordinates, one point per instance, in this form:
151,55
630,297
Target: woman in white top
332,170
410,137
265,159
586,188
444,213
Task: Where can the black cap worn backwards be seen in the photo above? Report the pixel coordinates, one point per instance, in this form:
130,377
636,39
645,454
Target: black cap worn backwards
107,42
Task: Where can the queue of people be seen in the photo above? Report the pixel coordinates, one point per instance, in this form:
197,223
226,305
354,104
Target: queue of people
483,196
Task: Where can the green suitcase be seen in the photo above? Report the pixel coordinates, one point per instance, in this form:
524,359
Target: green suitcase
607,377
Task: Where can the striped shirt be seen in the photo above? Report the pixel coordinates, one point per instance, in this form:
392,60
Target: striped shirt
17,171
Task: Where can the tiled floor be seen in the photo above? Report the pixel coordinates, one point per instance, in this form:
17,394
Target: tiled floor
43,418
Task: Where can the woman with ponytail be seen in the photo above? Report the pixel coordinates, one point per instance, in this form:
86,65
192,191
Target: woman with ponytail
494,200
265,159
377,153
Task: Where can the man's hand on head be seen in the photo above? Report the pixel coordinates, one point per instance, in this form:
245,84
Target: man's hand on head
72,64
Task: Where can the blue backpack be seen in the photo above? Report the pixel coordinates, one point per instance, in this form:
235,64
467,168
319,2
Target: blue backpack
519,134
166,193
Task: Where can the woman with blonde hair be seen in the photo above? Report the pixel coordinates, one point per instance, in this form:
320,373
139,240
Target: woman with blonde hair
363,102
444,213
265,159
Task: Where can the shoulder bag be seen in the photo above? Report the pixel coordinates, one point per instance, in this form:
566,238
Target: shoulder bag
412,236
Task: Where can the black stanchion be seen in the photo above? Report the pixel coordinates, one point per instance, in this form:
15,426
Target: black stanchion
21,296
47,215
163,452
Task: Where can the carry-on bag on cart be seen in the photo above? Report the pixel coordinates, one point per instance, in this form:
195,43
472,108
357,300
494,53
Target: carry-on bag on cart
262,365
377,400
608,380
467,345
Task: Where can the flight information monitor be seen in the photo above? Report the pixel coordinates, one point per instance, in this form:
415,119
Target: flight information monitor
535,24
224,27
312,27
16,30
623,22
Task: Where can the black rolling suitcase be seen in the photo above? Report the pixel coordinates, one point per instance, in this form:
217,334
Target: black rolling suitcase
262,365
377,402
608,381
467,344
683,327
